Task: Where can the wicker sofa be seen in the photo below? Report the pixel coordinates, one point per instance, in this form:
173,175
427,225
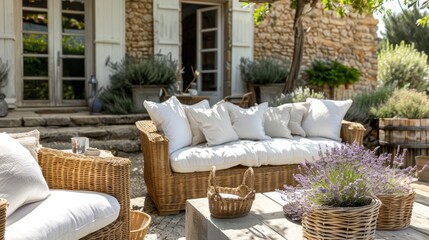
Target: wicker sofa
170,190
77,172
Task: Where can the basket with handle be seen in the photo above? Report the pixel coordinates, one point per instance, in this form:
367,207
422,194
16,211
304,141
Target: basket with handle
226,202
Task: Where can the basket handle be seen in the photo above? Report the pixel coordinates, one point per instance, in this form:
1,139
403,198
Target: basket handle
212,179
248,172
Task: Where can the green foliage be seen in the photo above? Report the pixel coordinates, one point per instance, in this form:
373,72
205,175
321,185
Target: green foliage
332,73
4,71
402,66
363,102
298,95
114,102
422,5
404,103
145,71
264,71
402,27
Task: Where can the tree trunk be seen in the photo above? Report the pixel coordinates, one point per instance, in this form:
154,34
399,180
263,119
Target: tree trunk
298,49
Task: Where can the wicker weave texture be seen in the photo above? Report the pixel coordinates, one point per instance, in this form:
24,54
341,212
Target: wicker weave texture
139,225
78,172
224,207
3,207
341,223
395,211
170,190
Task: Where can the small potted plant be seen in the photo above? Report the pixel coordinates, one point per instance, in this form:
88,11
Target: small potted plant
332,74
264,77
351,178
4,71
144,77
332,189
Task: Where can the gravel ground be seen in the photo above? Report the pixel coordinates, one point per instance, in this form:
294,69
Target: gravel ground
161,227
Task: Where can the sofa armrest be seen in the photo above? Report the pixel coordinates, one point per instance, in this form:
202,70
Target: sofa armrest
78,172
3,207
155,149
352,131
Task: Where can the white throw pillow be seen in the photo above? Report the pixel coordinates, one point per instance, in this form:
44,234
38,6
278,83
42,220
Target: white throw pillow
21,180
170,118
276,121
197,135
30,140
324,118
248,123
215,124
297,113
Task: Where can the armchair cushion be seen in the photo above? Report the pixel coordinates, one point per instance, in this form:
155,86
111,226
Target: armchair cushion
64,214
248,123
197,135
30,140
21,180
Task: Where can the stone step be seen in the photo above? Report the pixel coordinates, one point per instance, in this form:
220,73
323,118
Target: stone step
18,119
63,134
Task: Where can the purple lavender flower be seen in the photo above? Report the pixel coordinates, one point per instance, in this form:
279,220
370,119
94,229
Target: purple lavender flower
346,176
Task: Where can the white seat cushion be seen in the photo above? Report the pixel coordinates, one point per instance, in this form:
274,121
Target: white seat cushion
276,151
63,215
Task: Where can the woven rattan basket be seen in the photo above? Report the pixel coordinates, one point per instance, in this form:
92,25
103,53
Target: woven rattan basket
395,211
3,206
139,225
225,202
341,223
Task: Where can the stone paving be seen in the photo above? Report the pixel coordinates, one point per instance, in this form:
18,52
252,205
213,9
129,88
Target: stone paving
161,227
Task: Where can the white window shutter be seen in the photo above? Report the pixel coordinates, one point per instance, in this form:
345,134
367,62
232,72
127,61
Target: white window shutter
7,46
242,42
109,36
166,15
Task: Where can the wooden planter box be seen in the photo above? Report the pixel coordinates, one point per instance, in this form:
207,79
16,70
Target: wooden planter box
412,134
421,161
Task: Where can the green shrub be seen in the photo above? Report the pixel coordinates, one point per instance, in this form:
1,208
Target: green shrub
298,95
332,73
360,110
145,71
404,103
4,71
402,66
264,71
114,102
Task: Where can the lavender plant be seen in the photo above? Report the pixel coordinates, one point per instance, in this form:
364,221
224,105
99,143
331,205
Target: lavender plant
346,176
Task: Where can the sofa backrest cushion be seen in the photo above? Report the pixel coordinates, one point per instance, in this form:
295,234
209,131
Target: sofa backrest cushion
21,179
215,123
324,118
197,134
248,123
297,113
170,118
276,121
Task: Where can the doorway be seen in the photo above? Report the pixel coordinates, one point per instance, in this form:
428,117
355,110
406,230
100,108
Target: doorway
202,48
55,46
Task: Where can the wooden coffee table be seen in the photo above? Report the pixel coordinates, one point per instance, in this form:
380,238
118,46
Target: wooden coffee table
267,221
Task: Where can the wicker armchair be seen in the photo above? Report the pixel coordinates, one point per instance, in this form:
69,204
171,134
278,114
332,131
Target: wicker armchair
170,190
77,172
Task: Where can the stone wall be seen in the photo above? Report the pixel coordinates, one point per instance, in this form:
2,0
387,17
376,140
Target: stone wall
139,27
351,40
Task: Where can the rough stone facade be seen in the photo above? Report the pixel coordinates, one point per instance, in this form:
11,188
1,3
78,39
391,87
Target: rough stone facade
139,27
351,40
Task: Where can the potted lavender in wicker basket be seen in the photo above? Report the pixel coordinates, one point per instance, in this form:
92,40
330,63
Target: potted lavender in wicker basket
340,195
334,199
